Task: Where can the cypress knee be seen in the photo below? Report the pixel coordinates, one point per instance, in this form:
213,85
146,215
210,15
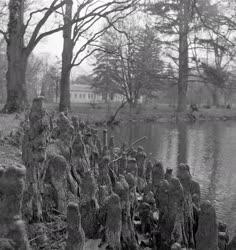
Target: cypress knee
113,222
57,171
207,234
76,236
12,229
34,157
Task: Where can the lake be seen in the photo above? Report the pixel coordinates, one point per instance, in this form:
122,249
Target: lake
209,149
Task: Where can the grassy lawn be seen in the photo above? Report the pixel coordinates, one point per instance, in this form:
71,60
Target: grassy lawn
9,123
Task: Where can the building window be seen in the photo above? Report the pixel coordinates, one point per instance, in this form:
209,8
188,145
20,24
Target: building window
83,96
75,95
80,96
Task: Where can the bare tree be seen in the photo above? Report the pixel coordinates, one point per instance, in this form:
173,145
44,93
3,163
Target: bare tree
50,81
33,75
217,46
3,65
184,20
18,51
179,22
129,64
80,35
173,23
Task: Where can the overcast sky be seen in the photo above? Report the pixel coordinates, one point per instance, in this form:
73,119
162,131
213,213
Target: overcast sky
51,48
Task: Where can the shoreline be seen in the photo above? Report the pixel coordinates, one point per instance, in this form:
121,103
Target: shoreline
100,116
148,114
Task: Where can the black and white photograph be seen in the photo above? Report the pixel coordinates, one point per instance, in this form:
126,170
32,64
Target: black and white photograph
117,124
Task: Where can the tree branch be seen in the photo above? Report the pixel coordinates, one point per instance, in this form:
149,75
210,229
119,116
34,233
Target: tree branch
34,37
97,34
31,16
4,33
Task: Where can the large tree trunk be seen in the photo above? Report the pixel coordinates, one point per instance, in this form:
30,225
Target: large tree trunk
67,55
215,97
17,59
132,106
183,54
64,104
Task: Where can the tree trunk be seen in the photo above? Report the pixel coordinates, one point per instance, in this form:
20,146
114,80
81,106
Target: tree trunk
43,91
57,90
183,55
215,97
67,55
17,60
132,106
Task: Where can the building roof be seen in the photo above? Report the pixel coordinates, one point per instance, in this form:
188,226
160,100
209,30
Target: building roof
81,87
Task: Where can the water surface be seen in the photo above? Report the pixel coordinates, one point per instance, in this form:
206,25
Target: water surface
209,149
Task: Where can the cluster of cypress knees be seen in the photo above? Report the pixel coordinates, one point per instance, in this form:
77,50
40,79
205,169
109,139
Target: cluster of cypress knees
116,194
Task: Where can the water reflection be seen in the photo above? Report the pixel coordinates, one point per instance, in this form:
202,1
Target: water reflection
182,143
210,150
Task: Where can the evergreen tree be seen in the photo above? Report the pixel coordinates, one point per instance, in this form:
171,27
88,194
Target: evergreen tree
128,63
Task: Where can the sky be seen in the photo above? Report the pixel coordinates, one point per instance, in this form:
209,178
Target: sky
51,48
52,45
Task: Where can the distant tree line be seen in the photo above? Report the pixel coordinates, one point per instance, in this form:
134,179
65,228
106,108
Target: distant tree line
173,50
139,48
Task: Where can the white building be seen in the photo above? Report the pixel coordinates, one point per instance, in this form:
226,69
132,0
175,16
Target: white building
84,93
81,93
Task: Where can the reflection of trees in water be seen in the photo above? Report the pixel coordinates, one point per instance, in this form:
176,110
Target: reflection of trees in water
196,139
208,159
128,134
215,162
211,154
134,131
162,143
149,131
182,142
217,158
168,145
153,133
227,177
211,151
168,149
231,222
